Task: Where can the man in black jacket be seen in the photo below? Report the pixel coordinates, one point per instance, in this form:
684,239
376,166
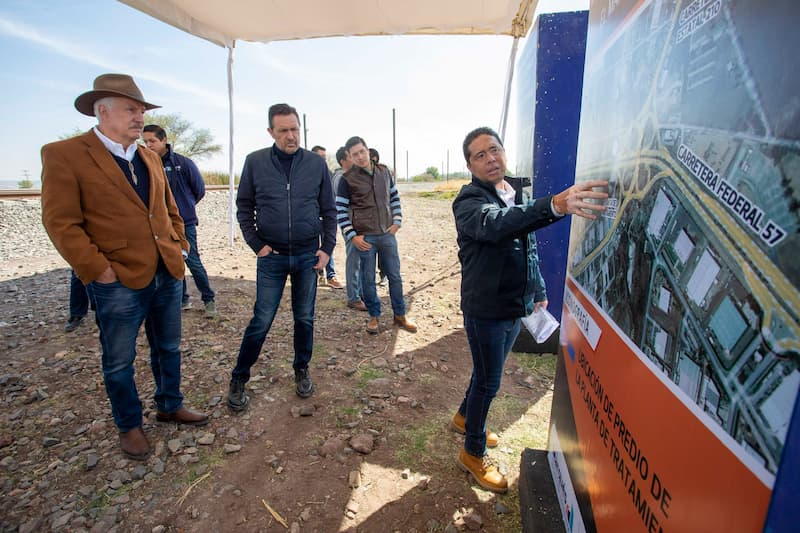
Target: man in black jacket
284,204
500,280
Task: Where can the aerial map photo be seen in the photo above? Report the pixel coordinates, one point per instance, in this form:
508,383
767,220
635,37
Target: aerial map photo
697,127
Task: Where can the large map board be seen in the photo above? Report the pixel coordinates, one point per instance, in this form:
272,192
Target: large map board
681,323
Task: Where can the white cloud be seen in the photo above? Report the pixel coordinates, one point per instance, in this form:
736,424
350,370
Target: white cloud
91,56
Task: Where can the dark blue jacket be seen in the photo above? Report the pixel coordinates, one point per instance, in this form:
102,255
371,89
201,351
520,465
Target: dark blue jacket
500,277
289,213
186,184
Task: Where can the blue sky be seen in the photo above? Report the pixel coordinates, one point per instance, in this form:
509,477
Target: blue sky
440,86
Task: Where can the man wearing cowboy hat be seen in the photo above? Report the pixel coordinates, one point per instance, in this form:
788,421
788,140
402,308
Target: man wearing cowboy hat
109,212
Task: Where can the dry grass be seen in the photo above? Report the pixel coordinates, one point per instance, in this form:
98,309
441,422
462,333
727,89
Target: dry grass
446,190
451,185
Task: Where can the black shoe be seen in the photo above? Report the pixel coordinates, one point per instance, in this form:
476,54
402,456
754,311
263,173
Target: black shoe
303,385
73,323
237,398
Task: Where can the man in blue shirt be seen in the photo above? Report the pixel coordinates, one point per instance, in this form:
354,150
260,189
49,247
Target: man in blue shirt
188,189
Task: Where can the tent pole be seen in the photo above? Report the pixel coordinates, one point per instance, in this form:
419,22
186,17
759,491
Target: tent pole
231,176
394,145
507,94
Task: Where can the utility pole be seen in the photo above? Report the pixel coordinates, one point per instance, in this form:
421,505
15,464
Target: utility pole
448,165
305,132
394,144
406,165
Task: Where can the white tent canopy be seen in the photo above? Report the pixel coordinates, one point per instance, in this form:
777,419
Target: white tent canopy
224,23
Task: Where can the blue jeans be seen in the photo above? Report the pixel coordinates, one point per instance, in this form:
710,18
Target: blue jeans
119,314
330,270
384,245
351,272
196,268
489,342
78,297
271,273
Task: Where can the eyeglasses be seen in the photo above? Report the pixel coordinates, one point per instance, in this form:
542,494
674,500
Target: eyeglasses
133,174
494,151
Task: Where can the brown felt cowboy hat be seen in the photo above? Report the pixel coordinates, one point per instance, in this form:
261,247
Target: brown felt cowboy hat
110,85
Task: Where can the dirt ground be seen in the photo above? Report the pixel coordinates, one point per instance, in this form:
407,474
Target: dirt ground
369,451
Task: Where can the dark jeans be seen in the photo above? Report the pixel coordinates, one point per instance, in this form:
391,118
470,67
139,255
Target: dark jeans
489,342
351,272
119,314
271,273
330,269
78,297
384,246
196,268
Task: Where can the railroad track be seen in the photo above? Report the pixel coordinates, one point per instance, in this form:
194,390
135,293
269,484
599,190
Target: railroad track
21,194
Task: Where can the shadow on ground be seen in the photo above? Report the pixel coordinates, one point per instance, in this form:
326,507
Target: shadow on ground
60,460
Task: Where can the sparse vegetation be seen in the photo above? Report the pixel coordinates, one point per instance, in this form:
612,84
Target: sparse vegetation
433,174
216,177
415,443
182,135
445,191
367,374
541,365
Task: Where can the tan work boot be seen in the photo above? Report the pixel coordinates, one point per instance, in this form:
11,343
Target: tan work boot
403,322
372,325
484,472
458,422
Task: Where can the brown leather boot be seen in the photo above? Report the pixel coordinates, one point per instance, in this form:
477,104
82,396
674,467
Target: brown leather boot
484,472
458,422
134,444
403,322
183,416
372,325
358,305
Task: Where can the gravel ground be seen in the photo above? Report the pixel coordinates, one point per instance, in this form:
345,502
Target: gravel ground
22,234
370,452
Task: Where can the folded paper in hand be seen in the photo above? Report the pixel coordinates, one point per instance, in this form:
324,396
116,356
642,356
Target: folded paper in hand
541,324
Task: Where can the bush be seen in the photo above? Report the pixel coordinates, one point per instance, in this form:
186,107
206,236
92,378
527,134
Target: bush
459,175
435,176
25,184
219,178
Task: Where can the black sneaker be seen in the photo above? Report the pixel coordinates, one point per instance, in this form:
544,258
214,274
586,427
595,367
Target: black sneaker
303,385
73,323
237,398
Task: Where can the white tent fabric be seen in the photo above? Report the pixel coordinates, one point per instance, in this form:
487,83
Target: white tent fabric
224,23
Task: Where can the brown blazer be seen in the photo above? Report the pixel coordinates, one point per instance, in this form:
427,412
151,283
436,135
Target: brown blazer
95,218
